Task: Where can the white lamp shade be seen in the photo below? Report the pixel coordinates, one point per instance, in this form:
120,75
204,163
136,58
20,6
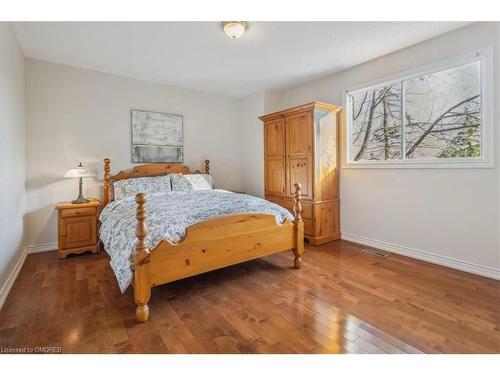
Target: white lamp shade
77,172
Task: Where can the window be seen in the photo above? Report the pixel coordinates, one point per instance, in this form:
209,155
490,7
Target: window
434,117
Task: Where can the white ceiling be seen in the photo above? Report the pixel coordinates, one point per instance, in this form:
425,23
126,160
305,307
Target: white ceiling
198,55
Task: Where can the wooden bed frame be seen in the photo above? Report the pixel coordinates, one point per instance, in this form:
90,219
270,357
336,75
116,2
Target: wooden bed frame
208,245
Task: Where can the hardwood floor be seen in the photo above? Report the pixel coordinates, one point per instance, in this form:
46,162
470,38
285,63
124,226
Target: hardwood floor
341,301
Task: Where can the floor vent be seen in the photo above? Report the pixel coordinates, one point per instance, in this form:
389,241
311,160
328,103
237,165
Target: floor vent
375,253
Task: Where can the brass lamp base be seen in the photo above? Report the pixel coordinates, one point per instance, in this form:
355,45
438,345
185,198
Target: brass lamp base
80,199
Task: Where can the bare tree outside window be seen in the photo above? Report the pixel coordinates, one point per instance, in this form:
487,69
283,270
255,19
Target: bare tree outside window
443,114
376,131
442,117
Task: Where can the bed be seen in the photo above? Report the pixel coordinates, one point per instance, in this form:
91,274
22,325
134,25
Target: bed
220,229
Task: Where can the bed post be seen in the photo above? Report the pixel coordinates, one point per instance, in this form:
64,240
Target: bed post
207,166
298,250
105,195
142,286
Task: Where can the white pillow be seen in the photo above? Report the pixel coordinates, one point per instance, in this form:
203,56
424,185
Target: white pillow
192,182
132,186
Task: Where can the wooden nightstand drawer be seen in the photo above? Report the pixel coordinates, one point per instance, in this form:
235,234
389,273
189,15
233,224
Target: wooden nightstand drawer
84,211
78,227
77,232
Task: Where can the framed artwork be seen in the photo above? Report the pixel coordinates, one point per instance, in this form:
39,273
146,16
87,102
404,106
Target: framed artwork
157,137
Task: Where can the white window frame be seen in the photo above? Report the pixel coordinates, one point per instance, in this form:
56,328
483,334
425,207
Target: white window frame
485,160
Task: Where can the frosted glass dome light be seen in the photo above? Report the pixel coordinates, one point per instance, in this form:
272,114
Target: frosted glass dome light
234,29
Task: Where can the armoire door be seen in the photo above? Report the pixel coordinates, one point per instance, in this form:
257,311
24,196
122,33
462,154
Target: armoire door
274,163
299,148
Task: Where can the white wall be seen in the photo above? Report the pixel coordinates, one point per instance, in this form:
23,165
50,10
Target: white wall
12,155
447,213
77,115
252,158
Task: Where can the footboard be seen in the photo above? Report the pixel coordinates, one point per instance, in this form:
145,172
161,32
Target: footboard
218,243
209,245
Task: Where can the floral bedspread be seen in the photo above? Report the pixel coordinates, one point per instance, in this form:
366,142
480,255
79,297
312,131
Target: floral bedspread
168,216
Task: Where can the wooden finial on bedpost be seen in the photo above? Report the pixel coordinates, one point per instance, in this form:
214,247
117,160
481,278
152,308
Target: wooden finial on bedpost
105,195
142,286
207,166
299,227
297,206
140,229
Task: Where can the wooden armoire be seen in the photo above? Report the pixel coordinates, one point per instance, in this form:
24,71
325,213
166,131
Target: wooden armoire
301,144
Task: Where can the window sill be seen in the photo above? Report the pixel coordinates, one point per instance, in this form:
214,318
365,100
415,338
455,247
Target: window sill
428,164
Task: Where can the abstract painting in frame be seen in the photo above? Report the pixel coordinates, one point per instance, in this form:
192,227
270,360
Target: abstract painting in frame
156,137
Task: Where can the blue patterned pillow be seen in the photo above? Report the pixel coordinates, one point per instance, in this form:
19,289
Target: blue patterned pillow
192,182
132,186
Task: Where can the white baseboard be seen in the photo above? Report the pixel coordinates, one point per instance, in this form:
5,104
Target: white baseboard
33,249
477,269
4,291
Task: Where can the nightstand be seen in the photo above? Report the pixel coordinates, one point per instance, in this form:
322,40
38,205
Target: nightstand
77,226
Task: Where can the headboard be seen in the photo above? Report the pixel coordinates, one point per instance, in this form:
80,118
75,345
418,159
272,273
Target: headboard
145,170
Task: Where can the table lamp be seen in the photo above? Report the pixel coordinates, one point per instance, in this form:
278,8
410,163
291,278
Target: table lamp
79,172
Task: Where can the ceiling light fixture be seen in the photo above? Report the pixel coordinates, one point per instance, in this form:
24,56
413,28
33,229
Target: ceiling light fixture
234,29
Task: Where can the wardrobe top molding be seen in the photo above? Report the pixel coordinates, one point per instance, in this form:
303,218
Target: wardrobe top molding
301,108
